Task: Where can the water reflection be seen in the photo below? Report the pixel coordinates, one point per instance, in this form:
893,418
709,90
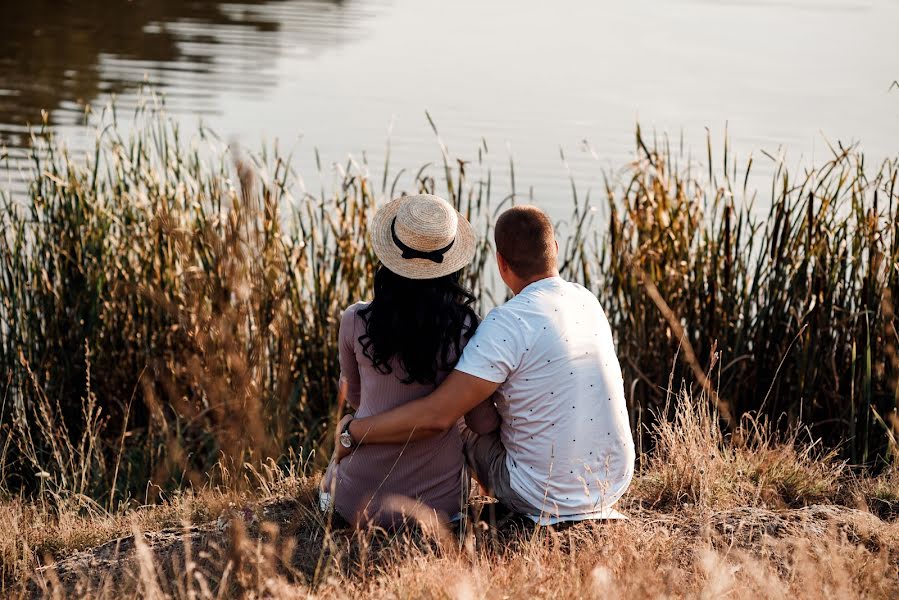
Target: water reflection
60,55
524,77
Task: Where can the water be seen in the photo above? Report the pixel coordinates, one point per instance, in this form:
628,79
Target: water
525,78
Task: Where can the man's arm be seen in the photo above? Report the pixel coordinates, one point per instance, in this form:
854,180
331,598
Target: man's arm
425,417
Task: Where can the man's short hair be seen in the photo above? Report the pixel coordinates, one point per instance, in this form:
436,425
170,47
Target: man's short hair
524,236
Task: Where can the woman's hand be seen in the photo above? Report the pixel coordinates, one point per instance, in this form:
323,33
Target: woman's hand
329,479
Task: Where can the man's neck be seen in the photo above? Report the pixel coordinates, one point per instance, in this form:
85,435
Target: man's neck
523,283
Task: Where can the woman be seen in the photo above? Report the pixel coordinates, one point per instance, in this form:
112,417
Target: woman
399,348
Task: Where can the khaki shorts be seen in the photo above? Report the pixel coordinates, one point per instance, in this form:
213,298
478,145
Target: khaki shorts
486,456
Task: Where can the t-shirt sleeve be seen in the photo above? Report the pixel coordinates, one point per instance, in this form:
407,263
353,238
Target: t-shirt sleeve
349,368
495,350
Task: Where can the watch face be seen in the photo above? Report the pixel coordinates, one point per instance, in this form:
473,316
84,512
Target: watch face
346,440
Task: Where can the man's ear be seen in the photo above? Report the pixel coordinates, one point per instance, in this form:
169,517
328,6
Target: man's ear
501,262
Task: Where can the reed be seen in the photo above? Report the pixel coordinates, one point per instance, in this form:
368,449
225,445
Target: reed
170,305
790,295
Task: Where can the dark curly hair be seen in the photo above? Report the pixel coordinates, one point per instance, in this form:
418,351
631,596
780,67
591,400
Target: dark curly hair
418,321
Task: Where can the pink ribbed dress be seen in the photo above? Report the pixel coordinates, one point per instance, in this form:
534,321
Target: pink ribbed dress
380,483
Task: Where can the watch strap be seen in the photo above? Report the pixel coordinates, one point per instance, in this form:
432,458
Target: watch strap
346,432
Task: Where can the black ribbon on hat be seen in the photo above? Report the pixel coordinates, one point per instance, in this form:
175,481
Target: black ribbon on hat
433,255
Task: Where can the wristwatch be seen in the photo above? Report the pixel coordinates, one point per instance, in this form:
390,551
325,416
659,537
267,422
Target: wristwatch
346,438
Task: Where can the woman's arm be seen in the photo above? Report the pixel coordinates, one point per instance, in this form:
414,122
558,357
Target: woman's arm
349,368
483,418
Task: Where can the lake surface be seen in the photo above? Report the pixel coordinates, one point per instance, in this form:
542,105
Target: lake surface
526,78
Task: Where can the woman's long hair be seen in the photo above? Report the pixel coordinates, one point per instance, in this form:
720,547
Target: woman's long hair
418,321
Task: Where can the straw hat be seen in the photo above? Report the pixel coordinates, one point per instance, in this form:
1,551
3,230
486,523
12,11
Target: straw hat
422,237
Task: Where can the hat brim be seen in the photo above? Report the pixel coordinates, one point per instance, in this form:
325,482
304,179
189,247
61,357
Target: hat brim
457,257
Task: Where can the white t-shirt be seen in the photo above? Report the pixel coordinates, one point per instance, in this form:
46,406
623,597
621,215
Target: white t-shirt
569,448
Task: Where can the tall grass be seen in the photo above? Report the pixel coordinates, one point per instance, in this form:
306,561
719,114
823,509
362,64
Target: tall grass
793,305
170,305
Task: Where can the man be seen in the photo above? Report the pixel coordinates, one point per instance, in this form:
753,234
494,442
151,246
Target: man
564,450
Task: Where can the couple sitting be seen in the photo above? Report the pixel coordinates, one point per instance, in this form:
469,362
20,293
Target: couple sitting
545,427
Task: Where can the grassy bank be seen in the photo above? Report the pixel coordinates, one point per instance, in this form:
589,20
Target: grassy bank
169,306
758,518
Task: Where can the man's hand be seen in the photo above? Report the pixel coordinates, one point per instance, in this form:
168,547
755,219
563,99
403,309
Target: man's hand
340,452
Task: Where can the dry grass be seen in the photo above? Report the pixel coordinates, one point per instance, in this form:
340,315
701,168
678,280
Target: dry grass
52,529
689,535
882,494
748,468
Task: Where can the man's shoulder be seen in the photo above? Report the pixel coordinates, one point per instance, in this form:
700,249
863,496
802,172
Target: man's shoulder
583,295
499,317
575,287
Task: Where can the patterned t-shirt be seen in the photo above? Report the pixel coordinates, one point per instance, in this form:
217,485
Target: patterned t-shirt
561,398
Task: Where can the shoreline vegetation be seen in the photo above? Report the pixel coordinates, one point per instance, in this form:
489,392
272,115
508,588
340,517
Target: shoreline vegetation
169,318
